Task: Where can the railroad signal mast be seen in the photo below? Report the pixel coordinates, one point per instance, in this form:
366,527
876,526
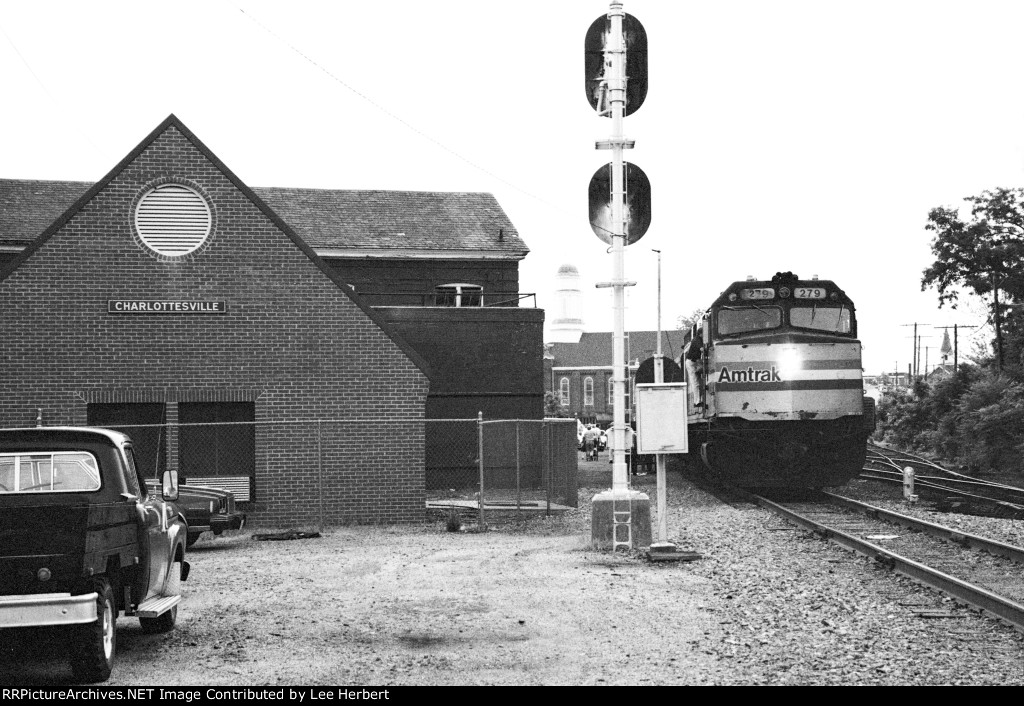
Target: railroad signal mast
615,52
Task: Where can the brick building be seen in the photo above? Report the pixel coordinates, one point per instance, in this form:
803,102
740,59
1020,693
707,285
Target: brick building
170,291
578,373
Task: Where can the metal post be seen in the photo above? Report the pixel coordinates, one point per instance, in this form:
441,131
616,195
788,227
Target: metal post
659,377
617,96
518,508
480,454
320,472
547,465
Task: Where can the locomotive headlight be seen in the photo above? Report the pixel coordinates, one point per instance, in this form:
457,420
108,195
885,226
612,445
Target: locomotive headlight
789,361
43,574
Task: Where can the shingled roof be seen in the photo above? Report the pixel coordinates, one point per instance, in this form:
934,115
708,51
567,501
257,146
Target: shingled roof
28,207
325,219
595,348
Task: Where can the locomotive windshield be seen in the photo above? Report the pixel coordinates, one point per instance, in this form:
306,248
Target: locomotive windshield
741,320
834,319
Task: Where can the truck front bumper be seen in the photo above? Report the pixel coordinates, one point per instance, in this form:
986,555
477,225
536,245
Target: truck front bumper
39,609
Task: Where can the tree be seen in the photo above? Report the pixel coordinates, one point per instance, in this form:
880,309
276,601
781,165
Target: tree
685,321
984,254
552,407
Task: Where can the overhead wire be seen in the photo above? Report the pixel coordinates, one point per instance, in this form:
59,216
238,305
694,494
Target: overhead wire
42,85
409,125
392,115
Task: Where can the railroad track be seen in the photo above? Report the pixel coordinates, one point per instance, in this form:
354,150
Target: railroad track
985,574
936,482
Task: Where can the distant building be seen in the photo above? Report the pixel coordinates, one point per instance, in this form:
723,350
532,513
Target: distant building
579,374
940,372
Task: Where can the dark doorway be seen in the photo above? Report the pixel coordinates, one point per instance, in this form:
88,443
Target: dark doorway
216,439
143,422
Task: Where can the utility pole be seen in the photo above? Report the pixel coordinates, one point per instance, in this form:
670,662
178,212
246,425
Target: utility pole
956,343
916,358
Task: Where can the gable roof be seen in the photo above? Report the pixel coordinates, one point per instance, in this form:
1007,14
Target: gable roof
405,220
336,223
595,348
172,121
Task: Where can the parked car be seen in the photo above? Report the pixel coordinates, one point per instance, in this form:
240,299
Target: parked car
206,509
82,539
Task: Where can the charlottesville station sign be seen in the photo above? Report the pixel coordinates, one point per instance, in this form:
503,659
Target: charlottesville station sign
142,306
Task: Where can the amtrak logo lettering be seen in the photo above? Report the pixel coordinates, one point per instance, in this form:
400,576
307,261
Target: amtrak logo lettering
749,375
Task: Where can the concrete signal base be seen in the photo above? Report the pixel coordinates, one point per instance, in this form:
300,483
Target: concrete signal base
603,526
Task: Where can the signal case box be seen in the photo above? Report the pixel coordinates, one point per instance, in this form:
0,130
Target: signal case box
661,418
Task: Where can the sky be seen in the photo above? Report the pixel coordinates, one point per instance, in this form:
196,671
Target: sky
811,137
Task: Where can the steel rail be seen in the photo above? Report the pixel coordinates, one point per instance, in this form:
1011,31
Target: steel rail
931,483
1007,610
963,538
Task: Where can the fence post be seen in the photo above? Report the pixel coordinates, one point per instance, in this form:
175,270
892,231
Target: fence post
320,473
518,467
547,473
480,454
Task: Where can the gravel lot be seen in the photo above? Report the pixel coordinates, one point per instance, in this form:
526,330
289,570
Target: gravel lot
530,603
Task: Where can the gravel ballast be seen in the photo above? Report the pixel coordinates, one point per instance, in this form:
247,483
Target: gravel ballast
531,603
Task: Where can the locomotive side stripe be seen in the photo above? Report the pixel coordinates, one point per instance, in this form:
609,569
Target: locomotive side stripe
841,364
816,374
788,385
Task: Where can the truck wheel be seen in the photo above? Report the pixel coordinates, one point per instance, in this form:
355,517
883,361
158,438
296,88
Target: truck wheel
192,538
165,621
93,645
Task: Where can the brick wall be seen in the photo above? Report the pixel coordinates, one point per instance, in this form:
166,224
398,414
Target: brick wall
291,341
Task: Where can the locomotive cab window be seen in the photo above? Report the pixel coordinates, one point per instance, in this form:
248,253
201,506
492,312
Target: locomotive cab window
821,318
742,320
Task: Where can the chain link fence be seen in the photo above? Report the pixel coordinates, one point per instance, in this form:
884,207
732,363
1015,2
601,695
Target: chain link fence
333,471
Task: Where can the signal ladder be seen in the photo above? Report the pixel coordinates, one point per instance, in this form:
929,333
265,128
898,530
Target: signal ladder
622,519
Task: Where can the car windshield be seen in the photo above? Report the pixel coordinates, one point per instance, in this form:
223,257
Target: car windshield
821,318
57,472
741,320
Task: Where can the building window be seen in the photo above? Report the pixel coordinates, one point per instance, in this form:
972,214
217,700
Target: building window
173,220
588,392
563,392
458,295
611,392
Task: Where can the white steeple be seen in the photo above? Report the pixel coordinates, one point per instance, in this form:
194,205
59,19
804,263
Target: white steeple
567,324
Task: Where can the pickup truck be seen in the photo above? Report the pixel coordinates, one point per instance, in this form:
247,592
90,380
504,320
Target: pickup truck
82,540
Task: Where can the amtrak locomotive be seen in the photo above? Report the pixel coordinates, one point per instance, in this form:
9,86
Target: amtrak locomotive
776,397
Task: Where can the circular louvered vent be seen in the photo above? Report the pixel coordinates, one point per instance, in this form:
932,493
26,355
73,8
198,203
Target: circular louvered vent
173,220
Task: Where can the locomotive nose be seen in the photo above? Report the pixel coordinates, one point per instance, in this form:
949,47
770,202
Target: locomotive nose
790,451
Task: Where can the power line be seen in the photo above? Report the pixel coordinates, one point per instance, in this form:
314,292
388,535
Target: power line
42,85
391,115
